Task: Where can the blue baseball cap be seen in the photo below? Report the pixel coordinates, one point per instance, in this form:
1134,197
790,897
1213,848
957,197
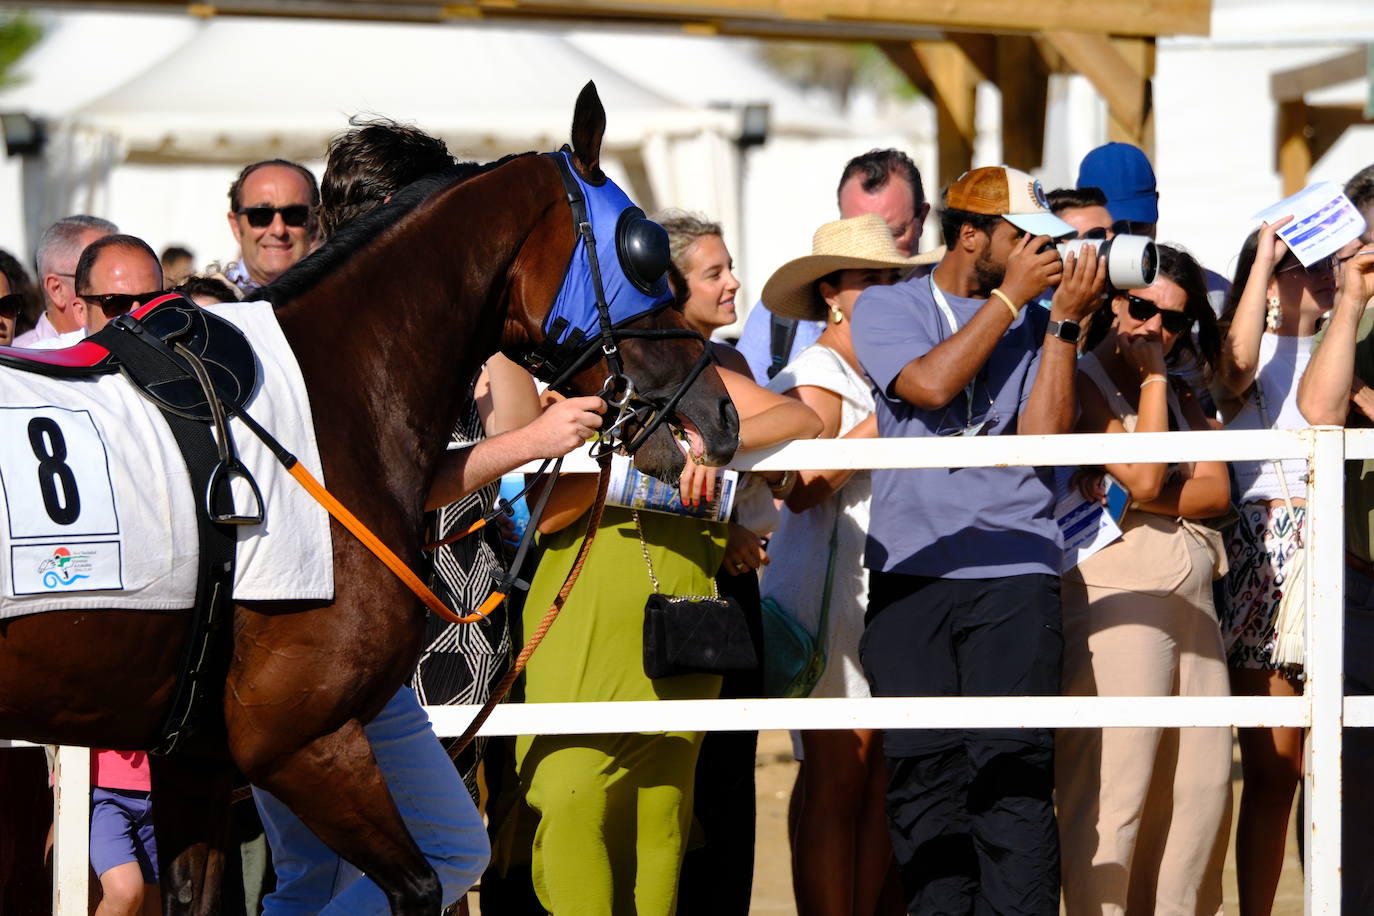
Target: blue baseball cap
1124,174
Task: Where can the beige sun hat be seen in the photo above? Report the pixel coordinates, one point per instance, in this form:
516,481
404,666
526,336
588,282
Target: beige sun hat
857,242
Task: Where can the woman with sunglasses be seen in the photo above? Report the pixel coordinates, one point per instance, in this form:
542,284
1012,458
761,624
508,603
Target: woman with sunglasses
1143,811
10,306
1271,316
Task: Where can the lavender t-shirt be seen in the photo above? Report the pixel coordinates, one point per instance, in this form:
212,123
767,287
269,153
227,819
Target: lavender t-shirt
955,523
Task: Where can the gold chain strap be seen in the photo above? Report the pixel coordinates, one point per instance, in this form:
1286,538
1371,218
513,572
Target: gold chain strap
653,579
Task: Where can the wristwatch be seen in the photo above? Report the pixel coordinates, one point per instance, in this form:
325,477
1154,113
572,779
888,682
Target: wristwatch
1067,330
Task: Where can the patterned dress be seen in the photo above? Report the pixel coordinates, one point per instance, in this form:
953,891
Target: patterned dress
461,663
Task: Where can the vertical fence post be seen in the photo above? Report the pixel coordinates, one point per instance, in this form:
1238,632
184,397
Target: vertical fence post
1325,538
71,831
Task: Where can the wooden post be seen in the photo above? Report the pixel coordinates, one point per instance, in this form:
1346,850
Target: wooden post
1294,152
943,71
1023,76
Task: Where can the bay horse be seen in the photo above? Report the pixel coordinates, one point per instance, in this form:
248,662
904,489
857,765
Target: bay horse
390,321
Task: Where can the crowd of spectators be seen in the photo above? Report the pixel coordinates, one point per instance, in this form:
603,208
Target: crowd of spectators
916,582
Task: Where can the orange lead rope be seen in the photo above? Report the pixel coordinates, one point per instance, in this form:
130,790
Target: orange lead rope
384,553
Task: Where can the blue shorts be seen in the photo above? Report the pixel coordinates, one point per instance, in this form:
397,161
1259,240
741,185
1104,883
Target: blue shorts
122,831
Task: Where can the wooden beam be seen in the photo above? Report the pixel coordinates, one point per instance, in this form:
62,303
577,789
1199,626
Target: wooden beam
1292,85
1327,124
980,49
1120,82
942,71
1294,152
1140,53
1023,77
878,17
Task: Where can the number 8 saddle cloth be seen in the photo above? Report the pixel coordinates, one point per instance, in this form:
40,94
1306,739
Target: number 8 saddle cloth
96,503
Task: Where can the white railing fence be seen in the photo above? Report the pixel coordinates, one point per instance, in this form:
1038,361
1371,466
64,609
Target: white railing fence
1322,708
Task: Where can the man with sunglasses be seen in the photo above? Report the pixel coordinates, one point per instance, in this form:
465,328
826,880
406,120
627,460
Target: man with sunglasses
272,213
115,275
964,581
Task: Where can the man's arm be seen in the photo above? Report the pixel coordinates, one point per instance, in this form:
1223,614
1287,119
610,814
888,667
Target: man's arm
1052,405
934,379
1325,389
561,428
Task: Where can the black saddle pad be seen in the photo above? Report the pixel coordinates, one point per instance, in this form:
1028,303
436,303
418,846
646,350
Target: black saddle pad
179,323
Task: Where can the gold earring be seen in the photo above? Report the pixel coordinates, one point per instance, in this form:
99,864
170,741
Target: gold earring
1273,314
836,315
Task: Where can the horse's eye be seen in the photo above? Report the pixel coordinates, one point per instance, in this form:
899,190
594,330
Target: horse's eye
642,245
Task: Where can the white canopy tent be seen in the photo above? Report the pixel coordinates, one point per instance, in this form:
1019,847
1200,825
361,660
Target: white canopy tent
154,140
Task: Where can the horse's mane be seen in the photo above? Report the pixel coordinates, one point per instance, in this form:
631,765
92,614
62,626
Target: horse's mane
357,234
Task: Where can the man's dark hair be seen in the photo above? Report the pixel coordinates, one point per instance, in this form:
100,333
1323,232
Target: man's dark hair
88,257
1062,199
951,220
236,189
874,169
173,253
370,163
209,287
1360,188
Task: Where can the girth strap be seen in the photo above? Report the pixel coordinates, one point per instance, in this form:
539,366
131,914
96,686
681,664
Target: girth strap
204,659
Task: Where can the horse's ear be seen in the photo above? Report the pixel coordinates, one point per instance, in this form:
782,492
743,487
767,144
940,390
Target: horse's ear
589,123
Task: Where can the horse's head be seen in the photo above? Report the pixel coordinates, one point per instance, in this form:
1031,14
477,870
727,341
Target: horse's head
610,327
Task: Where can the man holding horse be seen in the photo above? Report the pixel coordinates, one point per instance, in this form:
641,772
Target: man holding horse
366,166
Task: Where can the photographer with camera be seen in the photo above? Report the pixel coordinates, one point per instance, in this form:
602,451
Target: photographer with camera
964,587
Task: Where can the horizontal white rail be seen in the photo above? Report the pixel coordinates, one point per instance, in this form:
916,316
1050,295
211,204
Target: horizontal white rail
1322,708
877,712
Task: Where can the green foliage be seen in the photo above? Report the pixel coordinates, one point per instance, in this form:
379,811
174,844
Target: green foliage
18,33
837,68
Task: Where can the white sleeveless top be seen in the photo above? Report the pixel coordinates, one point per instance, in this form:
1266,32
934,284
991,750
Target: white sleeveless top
1282,361
795,575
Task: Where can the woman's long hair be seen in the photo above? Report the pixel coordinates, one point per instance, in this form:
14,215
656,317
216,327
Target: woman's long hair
1183,269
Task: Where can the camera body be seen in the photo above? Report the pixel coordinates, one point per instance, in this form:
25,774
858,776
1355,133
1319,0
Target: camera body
1132,260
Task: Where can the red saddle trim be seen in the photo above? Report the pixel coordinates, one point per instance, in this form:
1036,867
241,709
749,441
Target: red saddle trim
83,355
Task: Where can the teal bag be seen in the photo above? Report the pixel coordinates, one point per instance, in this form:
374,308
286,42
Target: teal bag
793,656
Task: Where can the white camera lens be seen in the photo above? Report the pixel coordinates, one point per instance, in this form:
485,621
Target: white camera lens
1132,260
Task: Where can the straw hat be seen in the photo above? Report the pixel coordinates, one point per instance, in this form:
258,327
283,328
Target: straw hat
858,242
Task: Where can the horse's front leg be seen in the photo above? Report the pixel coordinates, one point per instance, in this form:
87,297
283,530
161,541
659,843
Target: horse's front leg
388,800
191,824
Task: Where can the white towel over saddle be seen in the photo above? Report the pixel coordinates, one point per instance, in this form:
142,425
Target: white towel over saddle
96,508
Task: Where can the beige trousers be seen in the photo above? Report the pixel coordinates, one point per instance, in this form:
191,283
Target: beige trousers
1144,813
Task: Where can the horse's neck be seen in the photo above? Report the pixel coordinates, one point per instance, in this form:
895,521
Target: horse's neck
390,343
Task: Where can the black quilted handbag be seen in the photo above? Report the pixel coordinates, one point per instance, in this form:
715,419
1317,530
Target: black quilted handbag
693,634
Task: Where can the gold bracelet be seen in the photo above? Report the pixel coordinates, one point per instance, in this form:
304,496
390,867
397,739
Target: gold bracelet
1153,378
782,487
1007,299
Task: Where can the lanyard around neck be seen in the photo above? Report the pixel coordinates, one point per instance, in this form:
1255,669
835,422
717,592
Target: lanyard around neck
948,312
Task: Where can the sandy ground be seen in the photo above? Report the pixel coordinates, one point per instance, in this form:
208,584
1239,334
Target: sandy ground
773,870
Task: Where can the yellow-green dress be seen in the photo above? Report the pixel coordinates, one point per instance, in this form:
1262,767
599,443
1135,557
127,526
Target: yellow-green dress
614,811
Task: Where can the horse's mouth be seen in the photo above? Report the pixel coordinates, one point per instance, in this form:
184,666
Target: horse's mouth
688,438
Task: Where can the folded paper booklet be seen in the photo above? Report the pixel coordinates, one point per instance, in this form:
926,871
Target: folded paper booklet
1087,526
1324,220
633,490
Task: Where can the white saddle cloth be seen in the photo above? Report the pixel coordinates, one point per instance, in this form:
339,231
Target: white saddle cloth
96,508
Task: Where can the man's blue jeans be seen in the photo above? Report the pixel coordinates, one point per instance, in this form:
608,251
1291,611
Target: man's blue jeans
436,807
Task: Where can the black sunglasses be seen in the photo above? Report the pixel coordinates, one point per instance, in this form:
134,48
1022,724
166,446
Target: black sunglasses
118,303
261,217
1144,310
11,304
